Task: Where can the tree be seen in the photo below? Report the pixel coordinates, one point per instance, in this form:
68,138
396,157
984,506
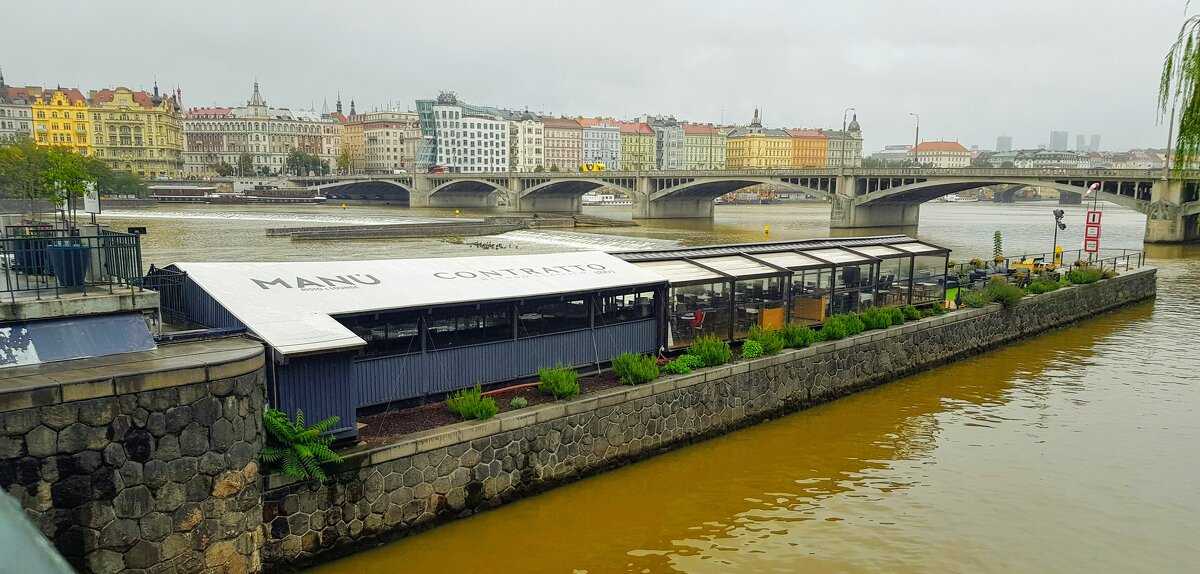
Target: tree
343,162
553,168
1177,92
223,169
1007,165
20,163
539,169
979,162
66,179
245,164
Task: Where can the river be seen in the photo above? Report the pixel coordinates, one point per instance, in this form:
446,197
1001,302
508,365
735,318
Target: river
1075,451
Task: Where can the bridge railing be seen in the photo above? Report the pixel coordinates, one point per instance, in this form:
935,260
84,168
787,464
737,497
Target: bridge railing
1106,259
1084,173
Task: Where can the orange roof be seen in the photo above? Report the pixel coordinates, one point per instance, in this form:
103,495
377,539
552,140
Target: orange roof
940,146
635,128
139,97
561,123
807,134
27,93
73,95
699,129
589,122
339,117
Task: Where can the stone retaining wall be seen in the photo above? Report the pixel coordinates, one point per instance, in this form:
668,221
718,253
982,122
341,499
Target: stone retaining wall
143,462
456,470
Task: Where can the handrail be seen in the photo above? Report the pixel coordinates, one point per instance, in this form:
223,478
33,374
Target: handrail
1127,259
40,260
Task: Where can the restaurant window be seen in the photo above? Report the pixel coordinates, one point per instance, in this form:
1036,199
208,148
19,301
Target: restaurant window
611,309
551,315
387,333
810,294
470,325
697,310
929,278
852,288
758,302
893,284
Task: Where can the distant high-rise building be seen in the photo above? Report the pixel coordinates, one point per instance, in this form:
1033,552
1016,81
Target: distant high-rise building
1094,144
1004,143
1080,142
1058,140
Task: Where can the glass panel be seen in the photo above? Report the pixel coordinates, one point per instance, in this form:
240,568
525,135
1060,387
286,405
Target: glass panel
878,250
387,333
624,308
836,255
758,302
677,271
545,316
790,260
458,326
929,279
810,295
697,310
916,247
852,288
892,287
736,265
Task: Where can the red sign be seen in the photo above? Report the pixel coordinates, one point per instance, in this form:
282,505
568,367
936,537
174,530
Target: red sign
1091,245
1091,232
1093,217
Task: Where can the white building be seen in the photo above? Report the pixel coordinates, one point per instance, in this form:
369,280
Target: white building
602,143
462,138
853,140
15,117
669,142
213,136
383,141
940,154
527,142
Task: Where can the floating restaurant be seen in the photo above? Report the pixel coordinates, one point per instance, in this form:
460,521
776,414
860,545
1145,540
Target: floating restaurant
352,335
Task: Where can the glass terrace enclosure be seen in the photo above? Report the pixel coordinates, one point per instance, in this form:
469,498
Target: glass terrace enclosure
724,290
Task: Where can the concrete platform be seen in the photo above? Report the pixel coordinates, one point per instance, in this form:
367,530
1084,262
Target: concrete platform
30,305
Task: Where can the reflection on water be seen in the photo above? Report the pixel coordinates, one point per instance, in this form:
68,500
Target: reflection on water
1071,452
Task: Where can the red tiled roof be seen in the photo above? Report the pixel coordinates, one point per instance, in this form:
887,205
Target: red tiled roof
73,95
589,122
561,123
940,146
807,134
699,129
339,117
635,128
27,93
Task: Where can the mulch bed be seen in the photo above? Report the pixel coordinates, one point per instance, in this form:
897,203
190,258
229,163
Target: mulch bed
388,426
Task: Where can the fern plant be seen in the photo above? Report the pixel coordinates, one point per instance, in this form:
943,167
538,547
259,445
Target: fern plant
300,449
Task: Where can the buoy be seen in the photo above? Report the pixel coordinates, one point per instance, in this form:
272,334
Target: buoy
343,206
456,212
767,229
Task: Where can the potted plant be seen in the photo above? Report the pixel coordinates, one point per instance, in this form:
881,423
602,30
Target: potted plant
67,180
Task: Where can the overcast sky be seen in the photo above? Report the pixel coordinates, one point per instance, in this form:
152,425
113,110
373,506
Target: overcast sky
972,70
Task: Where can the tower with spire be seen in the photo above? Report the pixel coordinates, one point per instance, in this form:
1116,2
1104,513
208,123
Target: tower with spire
339,102
352,112
756,123
256,98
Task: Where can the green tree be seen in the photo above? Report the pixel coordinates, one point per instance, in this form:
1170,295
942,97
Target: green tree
977,162
66,178
539,169
553,168
223,169
20,163
245,164
1007,165
343,162
1178,95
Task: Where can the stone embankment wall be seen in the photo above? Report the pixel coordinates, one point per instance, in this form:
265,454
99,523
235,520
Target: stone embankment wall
142,462
453,471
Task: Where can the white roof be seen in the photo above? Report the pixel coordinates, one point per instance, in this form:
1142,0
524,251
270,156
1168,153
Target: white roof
916,247
680,271
790,259
288,304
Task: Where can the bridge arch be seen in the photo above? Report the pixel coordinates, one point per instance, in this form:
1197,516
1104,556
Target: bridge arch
572,187
712,189
370,189
924,191
467,186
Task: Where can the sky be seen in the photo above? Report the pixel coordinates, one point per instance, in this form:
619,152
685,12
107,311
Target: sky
971,70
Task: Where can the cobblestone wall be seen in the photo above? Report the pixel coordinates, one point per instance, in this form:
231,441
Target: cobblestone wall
158,479
457,470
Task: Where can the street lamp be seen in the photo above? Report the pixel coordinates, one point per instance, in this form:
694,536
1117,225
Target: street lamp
917,136
1058,224
842,161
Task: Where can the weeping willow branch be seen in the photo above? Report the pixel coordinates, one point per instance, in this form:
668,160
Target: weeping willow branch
1178,96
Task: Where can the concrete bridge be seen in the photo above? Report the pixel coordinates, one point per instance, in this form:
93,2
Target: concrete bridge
861,197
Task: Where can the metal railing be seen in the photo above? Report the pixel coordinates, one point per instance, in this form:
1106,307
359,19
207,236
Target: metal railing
170,285
41,260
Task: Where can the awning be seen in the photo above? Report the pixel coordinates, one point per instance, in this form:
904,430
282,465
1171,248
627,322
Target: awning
839,256
679,271
919,248
738,266
791,260
289,304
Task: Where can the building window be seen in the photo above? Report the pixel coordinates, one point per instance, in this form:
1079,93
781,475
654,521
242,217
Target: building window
552,315
460,326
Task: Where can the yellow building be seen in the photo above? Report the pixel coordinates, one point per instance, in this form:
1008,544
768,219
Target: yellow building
60,118
138,132
810,148
754,147
638,149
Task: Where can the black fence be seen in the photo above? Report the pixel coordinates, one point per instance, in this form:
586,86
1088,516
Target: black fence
41,260
170,284
1105,260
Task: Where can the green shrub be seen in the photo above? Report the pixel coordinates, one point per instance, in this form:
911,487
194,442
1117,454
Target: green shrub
518,403
928,312
300,449
751,349
797,336
911,313
1110,273
559,381
1082,275
976,298
676,367
691,361
938,309
896,314
771,341
1004,293
1039,287
635,368
841,326
471,404
855,323
711,350
876,318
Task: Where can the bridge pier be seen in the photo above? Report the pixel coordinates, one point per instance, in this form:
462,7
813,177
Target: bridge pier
535,203
1166,219
422,189
1068,198
672,208
847,215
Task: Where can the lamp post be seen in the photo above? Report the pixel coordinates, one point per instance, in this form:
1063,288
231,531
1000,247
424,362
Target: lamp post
1058,224
917,136
842,160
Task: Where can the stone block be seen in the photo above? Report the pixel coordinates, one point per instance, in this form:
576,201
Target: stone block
193,441
120,534
41,441
155,526
169,372
29,392
144,554
105,562
133,502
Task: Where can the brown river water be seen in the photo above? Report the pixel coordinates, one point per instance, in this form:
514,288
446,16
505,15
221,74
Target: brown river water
1075,451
